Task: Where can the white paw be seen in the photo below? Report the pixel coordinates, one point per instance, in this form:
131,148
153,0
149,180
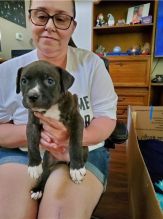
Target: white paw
36,195
35,172
77,175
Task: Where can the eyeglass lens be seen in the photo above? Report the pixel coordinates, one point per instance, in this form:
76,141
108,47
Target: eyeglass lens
40,18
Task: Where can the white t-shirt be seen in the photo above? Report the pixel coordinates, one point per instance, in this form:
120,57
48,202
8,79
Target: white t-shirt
92,84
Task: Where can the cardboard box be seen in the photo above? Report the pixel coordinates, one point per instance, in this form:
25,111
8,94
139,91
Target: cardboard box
143,123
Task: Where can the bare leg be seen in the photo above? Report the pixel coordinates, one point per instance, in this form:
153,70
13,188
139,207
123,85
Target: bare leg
63,199
15,185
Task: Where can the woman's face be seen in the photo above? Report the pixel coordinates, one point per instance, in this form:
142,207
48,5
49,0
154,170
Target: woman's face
48,39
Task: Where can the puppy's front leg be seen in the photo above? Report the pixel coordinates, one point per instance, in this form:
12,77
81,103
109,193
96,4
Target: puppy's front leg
77,168
48,165
33,140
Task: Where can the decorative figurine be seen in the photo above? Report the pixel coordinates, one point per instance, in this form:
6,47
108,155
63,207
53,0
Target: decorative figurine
100,20
120,22
100,50
111,20
145,50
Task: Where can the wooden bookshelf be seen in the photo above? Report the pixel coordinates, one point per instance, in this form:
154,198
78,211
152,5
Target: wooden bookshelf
131,75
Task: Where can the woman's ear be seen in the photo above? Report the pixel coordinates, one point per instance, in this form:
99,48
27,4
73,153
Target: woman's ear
74,26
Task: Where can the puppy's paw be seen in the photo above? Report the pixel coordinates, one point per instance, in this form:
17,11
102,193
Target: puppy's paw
36,195
77,175
35,172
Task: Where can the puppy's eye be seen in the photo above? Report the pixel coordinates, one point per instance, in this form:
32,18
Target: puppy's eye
50,81
24,81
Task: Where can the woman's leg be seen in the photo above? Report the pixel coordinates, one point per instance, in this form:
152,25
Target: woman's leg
15,185
63,199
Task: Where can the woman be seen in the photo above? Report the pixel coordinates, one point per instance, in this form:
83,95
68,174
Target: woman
53,23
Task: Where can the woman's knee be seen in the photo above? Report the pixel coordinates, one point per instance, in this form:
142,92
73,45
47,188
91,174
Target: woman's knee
57,198
61,194
57,183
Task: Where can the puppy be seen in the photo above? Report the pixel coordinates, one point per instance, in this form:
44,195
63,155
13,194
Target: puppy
44,89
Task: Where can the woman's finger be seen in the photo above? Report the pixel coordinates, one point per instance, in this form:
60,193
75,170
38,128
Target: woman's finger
47,145
52,147
59,135
49,129
46,136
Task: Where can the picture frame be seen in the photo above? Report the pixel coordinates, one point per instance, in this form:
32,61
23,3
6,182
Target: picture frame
135,13
13,11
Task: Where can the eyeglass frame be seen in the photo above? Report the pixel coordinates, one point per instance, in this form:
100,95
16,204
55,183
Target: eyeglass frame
50,17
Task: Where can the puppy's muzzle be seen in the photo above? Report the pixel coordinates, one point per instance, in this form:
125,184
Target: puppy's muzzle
33,97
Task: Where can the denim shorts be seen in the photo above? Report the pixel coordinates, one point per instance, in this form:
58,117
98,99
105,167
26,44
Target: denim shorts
97,163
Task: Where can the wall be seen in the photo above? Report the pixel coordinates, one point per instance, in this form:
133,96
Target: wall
83,33
8,35
157,67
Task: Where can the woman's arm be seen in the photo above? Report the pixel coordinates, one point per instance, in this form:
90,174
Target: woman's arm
55,133
12,136
98,130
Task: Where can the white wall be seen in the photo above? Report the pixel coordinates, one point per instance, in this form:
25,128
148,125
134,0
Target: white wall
8,36
83,33
157,68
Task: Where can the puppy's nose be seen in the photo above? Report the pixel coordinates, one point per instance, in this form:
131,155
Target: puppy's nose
33,97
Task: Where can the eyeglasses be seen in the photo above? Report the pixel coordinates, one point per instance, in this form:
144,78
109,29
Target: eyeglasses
41,18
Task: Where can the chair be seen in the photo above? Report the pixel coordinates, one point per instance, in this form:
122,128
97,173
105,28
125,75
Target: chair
120,133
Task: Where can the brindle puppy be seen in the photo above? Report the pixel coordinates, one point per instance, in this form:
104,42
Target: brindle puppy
45,89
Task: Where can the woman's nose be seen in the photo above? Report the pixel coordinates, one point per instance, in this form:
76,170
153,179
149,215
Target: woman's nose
50,25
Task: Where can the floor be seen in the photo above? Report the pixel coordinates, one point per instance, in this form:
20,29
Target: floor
114,202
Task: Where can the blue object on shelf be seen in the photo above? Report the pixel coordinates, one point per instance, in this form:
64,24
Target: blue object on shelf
134,52
117,49
116,54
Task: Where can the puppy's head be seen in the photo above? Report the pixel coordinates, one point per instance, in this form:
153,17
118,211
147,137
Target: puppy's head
42,84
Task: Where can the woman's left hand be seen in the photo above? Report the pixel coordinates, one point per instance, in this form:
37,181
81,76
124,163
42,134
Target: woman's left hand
54,137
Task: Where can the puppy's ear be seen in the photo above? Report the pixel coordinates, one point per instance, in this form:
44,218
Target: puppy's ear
18,80
66,79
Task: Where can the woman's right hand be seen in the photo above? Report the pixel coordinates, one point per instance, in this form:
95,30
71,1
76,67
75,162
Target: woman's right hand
54,137
60,152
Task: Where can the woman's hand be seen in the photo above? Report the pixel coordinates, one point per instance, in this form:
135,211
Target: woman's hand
54,137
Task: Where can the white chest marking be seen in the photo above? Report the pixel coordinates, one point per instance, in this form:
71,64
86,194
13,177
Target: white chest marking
53,112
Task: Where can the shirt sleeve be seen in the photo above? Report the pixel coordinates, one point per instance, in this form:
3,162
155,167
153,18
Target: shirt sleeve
11,107
5,96
103,96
